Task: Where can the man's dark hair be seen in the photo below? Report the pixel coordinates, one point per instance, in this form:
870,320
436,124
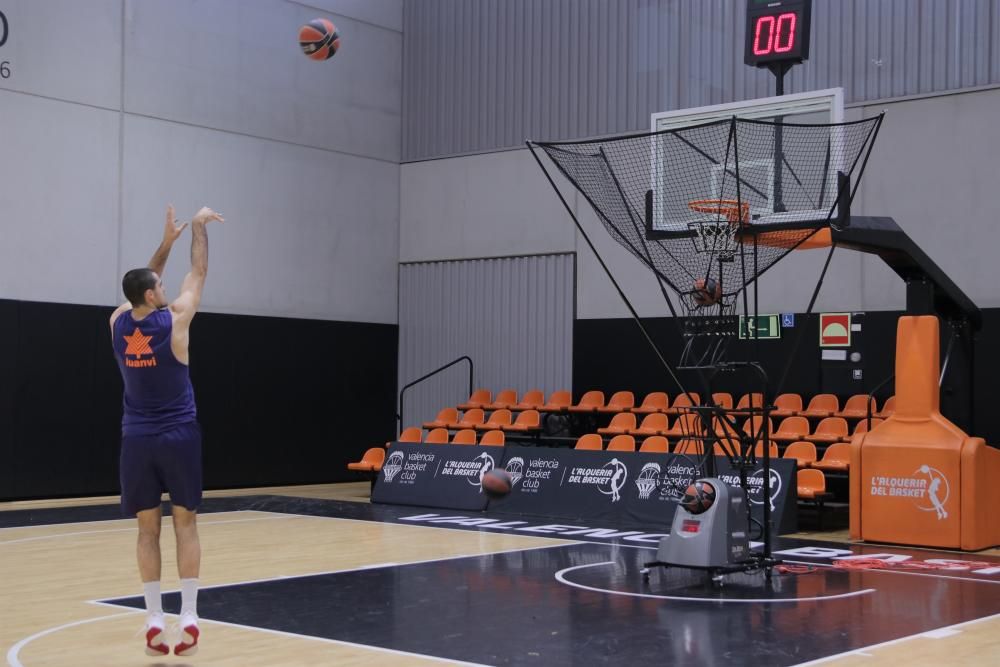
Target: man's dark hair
136,282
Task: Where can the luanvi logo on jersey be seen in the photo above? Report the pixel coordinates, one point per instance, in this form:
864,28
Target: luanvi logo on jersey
515,466
393,465
472,471
927,487
609,478
648,479
137,345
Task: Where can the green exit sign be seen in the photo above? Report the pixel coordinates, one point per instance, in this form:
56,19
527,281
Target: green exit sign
767,326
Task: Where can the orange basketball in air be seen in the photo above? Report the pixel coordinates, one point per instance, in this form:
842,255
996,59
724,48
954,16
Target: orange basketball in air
706,291
319,39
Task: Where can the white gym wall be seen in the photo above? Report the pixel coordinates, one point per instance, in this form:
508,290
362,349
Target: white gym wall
116,107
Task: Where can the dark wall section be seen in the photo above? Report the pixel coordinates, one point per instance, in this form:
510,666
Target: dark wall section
612,354
280,401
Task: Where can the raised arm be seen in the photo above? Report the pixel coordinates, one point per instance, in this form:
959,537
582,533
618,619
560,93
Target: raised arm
171,232
186,304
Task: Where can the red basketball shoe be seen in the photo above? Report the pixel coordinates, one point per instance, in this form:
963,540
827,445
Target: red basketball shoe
155,644
189,636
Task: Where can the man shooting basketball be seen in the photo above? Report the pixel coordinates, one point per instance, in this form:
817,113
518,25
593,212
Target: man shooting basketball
161,439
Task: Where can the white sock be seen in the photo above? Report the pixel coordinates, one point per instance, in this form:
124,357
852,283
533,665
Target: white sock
154,603
189,596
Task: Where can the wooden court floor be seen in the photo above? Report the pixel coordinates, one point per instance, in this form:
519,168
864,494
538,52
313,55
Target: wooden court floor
53,576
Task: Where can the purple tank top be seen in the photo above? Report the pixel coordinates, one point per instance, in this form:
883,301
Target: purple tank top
158,392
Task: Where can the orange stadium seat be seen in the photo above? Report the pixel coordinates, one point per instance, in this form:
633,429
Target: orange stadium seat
505,399
723,399
411,434
811,486
591,401
685,426
655,401
621,401
810,483
438,436
464,437
752,400
856,406
480,398
622,443
446,418
752,426
623,422
821,405
787,405
526,421
559,401
471,417
831,429
655,443
499,419
531,400
654,423
371,461
791,429
493,439
589,441
836,458
682,402
803,452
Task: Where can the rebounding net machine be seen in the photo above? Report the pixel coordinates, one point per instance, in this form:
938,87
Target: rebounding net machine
708,209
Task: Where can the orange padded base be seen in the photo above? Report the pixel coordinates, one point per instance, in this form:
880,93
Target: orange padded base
917,478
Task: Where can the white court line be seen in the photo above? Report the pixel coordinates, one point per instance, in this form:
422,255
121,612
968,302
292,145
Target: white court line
12,654
338,642
571,541
204,515
560,576
14,661
12,658
376,566
863,650
896,571
129,529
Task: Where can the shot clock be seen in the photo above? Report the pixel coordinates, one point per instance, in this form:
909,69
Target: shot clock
777,32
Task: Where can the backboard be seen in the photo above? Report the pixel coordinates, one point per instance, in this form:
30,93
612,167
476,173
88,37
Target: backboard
787,173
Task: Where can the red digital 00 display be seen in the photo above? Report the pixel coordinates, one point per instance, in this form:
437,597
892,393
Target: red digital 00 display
777,31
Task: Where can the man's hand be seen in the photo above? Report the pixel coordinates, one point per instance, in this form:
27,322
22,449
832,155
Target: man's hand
206,215
172,231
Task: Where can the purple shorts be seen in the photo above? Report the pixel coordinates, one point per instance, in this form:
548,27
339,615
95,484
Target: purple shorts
168,461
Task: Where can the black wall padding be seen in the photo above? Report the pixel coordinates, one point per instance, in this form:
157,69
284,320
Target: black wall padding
280,401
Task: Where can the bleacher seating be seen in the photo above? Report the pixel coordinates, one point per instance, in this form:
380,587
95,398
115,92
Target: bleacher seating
623,422
505,400
622,443
656,401
480,398
621,401
589,441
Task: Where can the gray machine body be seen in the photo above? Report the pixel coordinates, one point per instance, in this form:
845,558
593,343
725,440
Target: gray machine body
715,538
